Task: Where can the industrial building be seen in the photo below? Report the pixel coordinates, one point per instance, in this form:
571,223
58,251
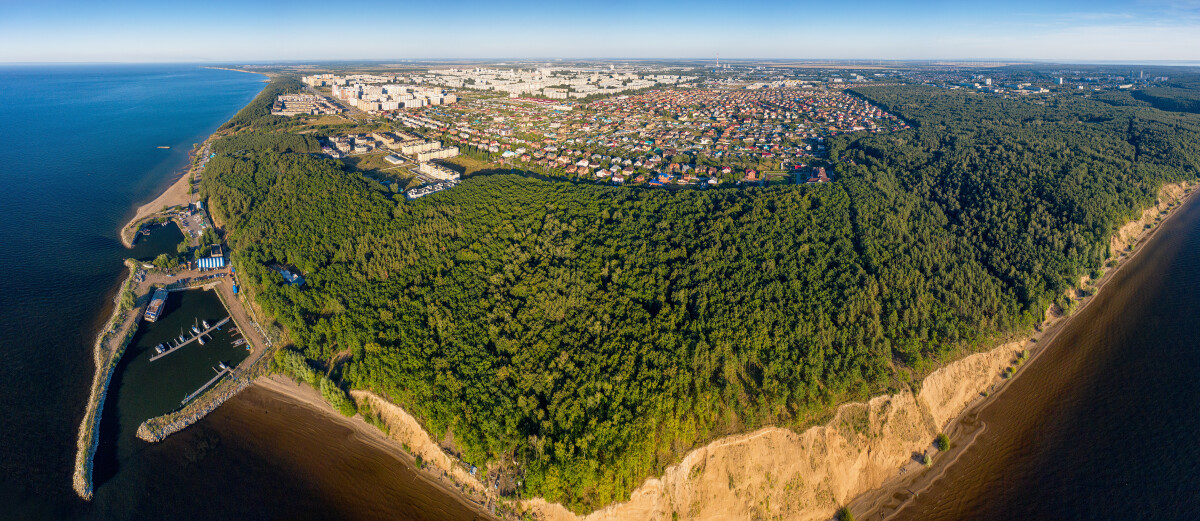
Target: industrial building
210,263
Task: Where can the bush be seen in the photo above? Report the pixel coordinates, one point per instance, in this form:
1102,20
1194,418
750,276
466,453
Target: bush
844,514
942,443
127,300
293,364
926,460
337,397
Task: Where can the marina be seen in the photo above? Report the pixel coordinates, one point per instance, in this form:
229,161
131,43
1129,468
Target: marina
143,389
221,369
198,335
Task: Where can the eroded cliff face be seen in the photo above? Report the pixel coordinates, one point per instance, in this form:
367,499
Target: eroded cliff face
780,474
1168,195
776,473
403,427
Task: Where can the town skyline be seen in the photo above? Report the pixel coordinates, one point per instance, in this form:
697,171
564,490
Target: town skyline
137,31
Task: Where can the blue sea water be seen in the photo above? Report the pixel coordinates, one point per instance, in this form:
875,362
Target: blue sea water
78,153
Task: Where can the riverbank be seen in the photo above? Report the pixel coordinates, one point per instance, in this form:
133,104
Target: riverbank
870,455
110,344
886,501
405,440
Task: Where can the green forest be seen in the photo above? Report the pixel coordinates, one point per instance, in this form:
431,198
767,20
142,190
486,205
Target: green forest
594,334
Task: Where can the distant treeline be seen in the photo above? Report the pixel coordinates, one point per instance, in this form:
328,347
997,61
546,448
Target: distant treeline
594,334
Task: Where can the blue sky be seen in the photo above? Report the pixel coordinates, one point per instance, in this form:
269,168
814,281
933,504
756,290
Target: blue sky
250,30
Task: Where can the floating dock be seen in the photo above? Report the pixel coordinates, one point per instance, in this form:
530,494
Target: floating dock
224,371
188,341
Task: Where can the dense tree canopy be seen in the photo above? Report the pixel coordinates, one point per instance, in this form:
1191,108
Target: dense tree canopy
595,333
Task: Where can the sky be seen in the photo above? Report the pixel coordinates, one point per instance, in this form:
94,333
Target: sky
246,31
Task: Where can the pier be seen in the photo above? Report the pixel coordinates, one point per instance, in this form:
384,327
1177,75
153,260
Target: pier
188,341
224,370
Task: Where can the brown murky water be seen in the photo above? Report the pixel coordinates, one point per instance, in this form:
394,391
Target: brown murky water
1104,424
265,456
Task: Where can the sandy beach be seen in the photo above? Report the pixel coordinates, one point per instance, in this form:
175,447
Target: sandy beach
179,193
366,433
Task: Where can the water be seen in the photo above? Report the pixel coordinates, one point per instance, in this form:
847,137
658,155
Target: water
80,153
1103,425
162,239
143,389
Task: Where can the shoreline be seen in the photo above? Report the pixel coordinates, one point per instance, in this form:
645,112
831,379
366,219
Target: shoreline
870,502
178,193
949,398
429,471
659,497
235,70
862,469
105,360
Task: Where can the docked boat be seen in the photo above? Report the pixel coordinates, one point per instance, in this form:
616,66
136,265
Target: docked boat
195,330
222,366
201,339
205,324
159,348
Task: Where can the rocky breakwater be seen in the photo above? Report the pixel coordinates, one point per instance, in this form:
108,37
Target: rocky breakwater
160,427
110,345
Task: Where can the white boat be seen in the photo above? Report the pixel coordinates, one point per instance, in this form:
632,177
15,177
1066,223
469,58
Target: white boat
201,339
204,323
195,330
159,349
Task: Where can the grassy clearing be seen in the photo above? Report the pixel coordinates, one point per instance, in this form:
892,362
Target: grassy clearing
471,165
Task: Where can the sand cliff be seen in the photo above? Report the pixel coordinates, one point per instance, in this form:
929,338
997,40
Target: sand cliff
778,473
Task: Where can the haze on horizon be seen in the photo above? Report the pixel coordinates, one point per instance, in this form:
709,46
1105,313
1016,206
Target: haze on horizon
250,31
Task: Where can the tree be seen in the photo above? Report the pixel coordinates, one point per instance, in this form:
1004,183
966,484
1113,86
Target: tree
165,261
942,443
593,333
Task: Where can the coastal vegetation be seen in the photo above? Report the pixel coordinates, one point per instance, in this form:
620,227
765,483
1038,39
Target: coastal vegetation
594,334
296,366
844,514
